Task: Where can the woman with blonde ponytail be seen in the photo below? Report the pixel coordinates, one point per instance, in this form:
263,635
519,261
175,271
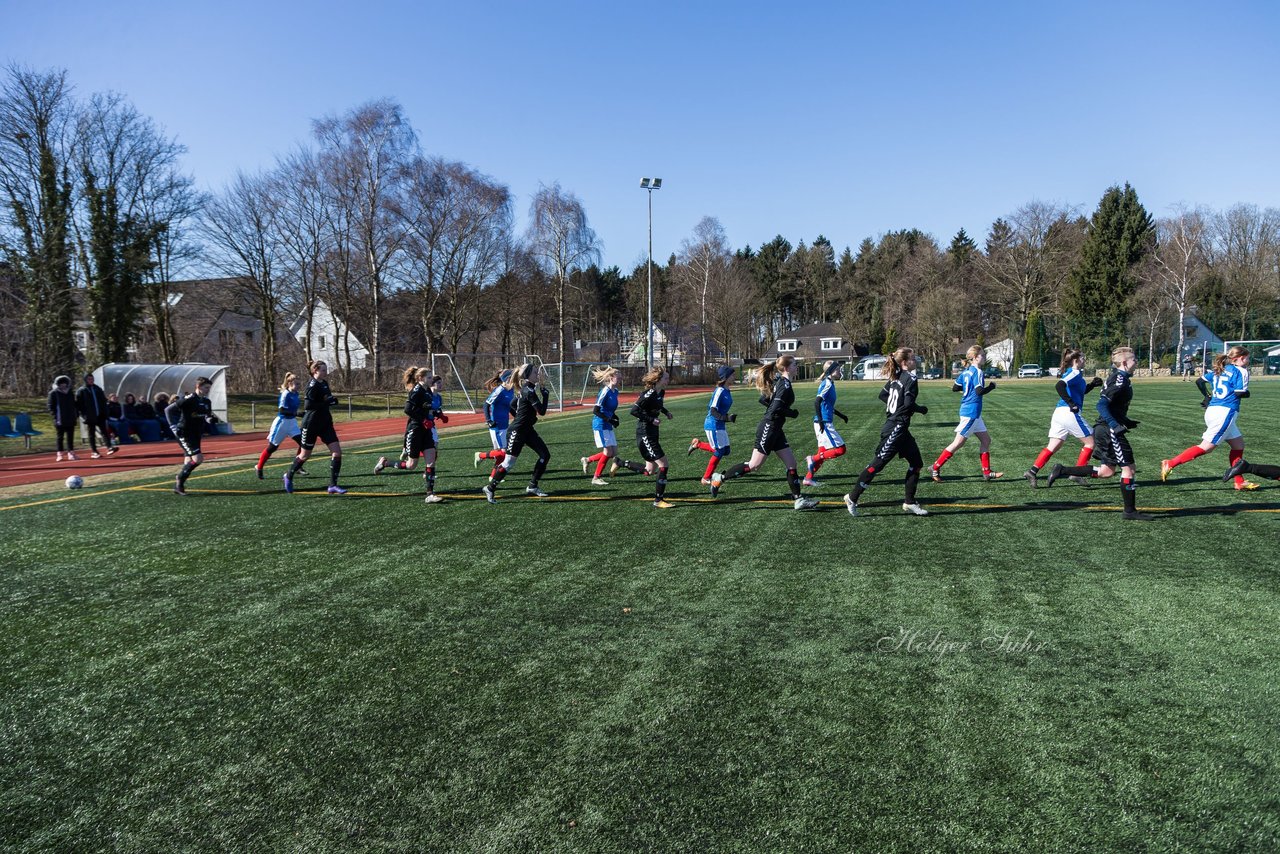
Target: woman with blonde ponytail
773,381
899,396
285,424
1222,395
604,419
973,383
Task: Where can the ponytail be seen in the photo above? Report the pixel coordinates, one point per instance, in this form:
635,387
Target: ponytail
896,360
288,378
653,376
972,354
602,374
1220,360
766,376
1069,357
412,375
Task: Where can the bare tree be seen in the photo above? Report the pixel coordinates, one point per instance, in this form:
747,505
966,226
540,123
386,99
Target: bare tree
703,269
1151,313
937,323
1179,261
562,241
306,225
1243,243
1028,258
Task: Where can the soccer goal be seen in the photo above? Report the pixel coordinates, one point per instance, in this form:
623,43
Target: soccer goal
457,395
1264,354
569,383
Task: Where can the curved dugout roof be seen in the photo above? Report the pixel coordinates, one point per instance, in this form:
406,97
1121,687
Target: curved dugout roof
146,381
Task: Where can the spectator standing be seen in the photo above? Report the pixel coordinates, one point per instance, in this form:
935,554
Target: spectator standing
62,406
91,403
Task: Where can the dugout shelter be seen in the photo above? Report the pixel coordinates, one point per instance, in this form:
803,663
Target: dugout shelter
146,381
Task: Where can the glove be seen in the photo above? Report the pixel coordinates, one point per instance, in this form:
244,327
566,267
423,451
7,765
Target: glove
444,418
1205,403
1123,428
615,421
211,419
1132,425
492,425
1096,382
991,385
670,416
843,417
923,410
1073,407
733,417
331,400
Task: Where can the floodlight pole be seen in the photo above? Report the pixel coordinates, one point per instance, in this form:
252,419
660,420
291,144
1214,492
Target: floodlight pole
650,186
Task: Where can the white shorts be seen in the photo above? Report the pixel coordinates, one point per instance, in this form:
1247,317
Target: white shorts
498,437
605,438
1220,425
828,438
718,439
970,425
1067,423
281,429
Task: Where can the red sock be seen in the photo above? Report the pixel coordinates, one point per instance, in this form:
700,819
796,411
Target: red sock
711,468
986,463
832,453
1187,456
266,455
1083,459
703,446
1234,457
1044,458
498,456
600,463
942,459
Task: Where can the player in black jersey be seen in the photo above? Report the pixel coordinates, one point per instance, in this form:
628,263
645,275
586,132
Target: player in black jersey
422,411
187,418
773,381
899,396
529,402
317,425
646,409
1111,435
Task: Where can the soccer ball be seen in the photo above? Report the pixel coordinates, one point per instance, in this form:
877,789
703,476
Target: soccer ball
75,482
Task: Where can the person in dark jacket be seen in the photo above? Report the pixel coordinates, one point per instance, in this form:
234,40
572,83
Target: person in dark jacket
62,406
899,395
91,403
187,417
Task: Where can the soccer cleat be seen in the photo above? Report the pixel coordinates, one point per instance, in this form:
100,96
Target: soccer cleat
112,450
379,465
303,472
535,491
851,505
663,505
1031,477
433,499
717,480
693,446
1166,466
95,456
337,490
706,481
258,469
1246,485
992,475
1080,481
803,503
915,510
58,458
1137,517
584,465
1237,469
71,455
178,488
1054,474
288,483
809,481
613,468
599,481
479,457
935,474
487,489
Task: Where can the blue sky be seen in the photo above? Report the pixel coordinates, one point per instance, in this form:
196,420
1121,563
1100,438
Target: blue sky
843,119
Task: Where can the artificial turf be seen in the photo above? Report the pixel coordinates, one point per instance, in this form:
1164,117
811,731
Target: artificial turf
247,670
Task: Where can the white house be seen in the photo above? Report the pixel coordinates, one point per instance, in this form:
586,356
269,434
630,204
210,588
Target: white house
327,339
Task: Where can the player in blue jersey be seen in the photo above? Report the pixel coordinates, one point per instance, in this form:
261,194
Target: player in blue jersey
973,385
604,419
421,408
830,445
285,424
497,415
1228,385
718,418
1067,420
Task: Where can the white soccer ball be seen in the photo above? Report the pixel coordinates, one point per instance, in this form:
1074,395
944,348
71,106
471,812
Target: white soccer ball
75,482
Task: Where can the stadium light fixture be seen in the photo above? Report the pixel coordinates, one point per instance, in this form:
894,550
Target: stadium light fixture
649,185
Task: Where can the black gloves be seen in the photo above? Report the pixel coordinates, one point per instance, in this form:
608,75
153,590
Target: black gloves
1096,382
331,400
614,421
733,417
491,424
1073,407
1205,403
923,410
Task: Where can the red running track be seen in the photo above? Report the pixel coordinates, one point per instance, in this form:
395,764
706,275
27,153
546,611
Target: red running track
39,468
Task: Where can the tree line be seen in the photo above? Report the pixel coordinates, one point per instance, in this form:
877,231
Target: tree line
419,254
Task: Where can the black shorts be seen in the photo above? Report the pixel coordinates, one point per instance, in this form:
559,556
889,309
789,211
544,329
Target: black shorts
650,448
418,440
896,441
1111,449
312,433
516,440
190,444
770,438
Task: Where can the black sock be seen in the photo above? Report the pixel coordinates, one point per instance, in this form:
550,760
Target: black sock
498,474
1079,471
539,469
187,469
793,483
1262,470
736,471
913,478
1035,469
864,480
297,464
1129,490
660,488
430,477
335,466
638,468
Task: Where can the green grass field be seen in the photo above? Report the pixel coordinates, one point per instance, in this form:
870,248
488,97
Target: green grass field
1020,671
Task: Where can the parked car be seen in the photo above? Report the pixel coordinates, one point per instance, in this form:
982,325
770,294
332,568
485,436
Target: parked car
1030,372
870,368
931,373
991,371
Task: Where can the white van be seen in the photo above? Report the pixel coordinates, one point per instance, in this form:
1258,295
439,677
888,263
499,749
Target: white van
869,368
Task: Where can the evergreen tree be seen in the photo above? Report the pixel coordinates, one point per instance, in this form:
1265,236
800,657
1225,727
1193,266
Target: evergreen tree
1119,236
1033,344
890,341
961,249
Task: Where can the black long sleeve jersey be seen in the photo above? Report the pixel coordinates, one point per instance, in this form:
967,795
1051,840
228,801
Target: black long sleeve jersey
187,416
528,406
899,398
1114,400
318,400
781,402
647,407
418,406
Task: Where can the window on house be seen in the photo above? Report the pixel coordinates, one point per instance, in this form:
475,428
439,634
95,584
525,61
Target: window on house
82,341
321,342
830,343
786,346
248,337
225,338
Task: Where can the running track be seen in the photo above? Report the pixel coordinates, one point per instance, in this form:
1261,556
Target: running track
39,468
